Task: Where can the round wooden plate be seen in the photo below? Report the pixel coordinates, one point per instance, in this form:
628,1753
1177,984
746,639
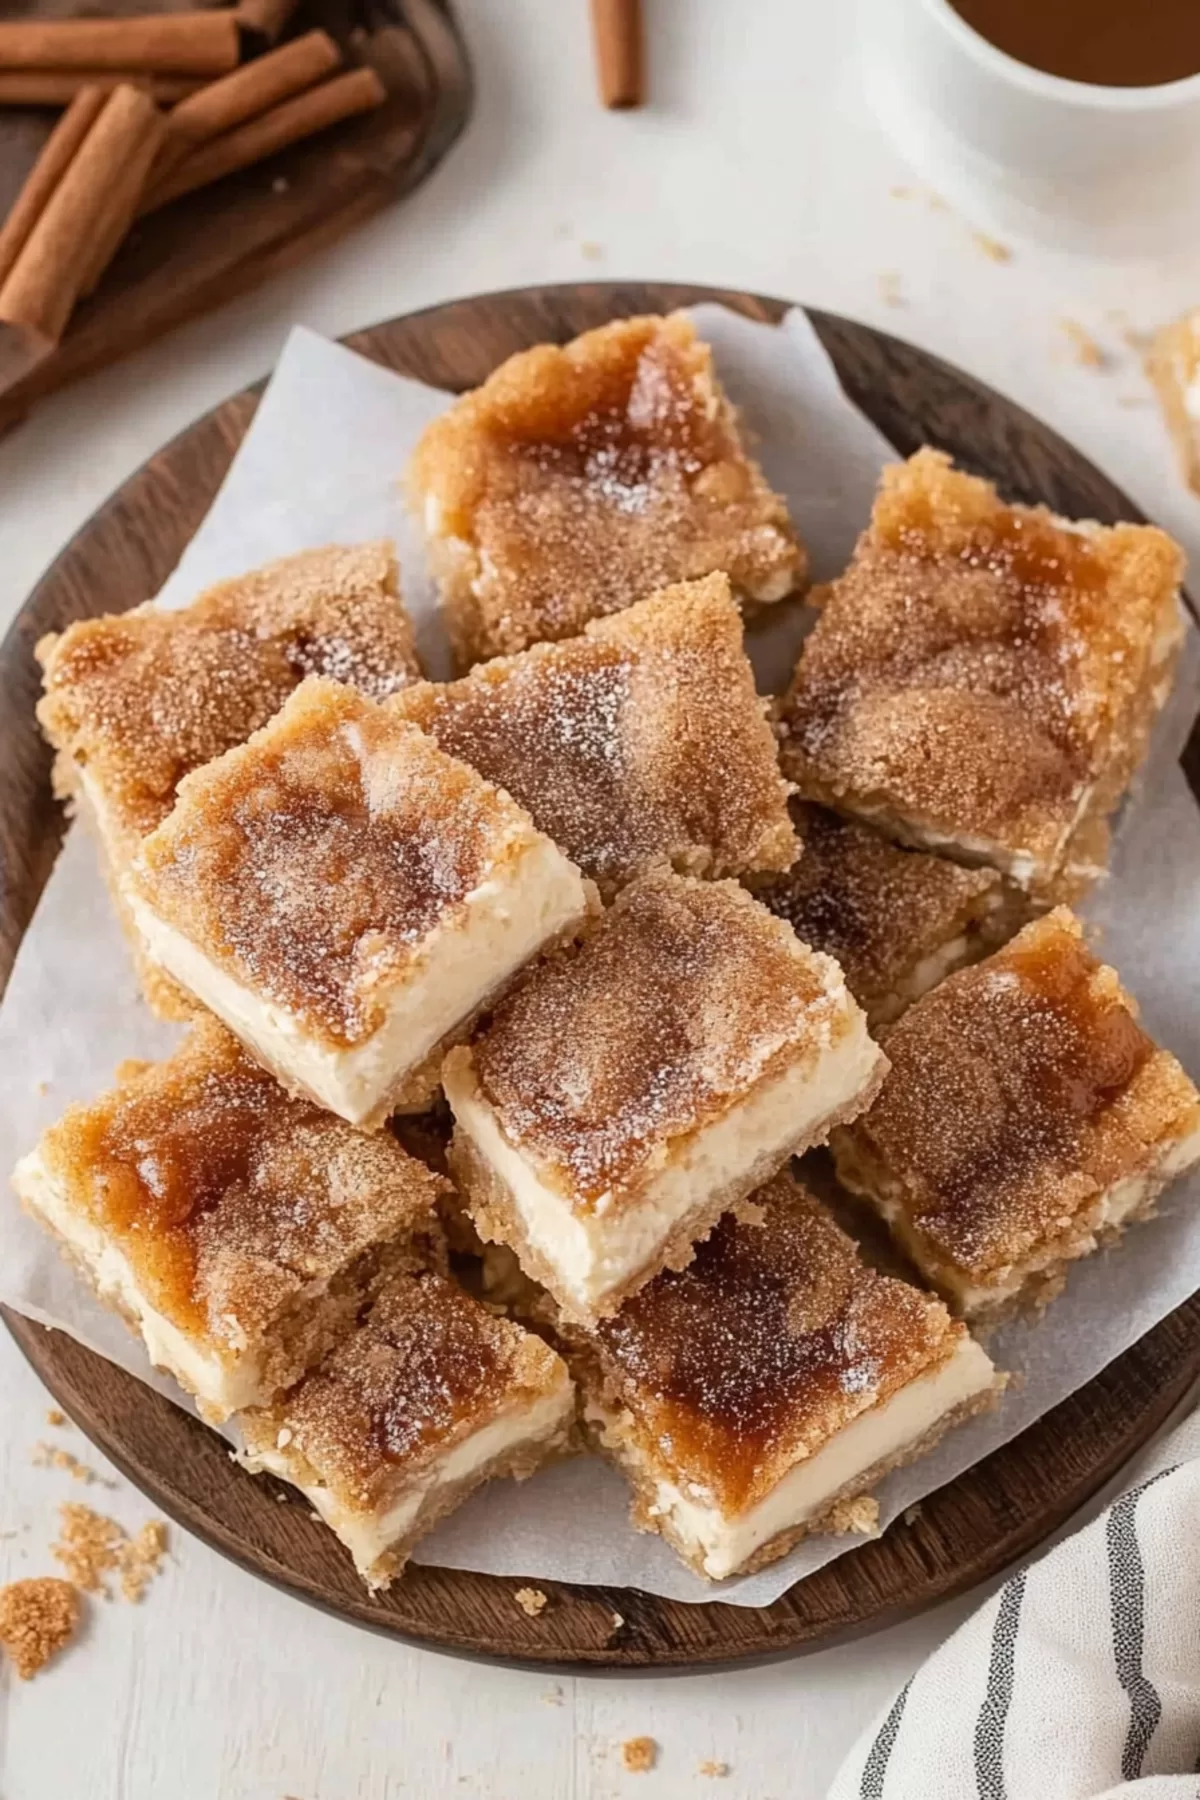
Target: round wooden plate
996,1513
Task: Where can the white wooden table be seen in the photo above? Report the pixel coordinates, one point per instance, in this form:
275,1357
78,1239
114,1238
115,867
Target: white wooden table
754,167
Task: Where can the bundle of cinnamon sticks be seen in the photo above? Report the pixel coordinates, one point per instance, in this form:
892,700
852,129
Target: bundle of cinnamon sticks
156,107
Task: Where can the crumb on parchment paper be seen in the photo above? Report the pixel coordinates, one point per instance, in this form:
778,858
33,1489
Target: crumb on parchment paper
38,1618
860,1515
991,247
531,1601
91,1547
639,1755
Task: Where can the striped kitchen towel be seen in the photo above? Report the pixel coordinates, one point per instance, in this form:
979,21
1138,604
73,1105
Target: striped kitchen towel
1080,1680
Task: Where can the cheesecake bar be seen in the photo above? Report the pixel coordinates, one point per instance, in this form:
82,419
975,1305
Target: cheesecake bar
897,920
1174,368
134,701
641,743
983,677
579,479
626,1095
238,1231
429,1397
345,896
1027,1118
750,1397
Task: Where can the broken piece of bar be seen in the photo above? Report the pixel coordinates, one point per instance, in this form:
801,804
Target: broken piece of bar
898,921
982,678
238,1231
1174,367
641,743
345,896
628,1094
751,1396
579,479
134,701
1027,1118
428,1398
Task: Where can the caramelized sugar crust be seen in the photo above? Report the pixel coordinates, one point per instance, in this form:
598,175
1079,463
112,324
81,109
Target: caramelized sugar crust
427,1367
227,1197
576,481
875,908
312,862
641,743
764,1347
683,998
142,698
1019,1091
979,665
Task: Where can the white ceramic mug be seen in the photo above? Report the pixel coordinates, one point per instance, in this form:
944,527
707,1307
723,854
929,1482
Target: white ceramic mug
1085,166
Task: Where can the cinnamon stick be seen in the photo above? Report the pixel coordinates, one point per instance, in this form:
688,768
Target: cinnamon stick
60,252
248,92
58,87
121,203
186,43
620,53
341,98
266,17
58,152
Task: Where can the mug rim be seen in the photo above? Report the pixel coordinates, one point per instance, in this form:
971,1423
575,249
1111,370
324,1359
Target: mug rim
1087,95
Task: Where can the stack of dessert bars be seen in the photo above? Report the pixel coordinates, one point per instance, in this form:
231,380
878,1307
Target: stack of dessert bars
511,1000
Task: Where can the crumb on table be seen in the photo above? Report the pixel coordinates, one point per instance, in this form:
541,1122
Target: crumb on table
90,1547
889,288
639,1755
49,1456
1084,348
716,1771
860,1514
38,1618
992,248
531,1601
55,1417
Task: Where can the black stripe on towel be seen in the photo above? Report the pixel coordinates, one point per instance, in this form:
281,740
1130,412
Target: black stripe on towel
993,1714
879,1755
1127,1608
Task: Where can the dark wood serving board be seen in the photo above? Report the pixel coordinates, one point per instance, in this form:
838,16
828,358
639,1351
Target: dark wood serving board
999,1511
209,247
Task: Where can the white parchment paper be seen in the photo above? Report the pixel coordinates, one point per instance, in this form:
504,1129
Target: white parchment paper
319,464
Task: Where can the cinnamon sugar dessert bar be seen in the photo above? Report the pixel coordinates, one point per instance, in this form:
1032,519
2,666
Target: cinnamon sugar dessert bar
640,743
238,1231
134,701
344,895
1026,1119
897,920
428,1398
983,677
751,1397
628,1094
577,480
1174,368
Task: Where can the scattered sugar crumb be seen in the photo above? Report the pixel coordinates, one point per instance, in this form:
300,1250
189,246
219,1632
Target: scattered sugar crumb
618,1621
591,252
639,1754
716,1771
531,1601
912,1513
1084,348
889,288
49,1456
860,1514
936,203
1141,341
54,1417
553,1696
1134,400
90,1547
991,247
38,1618
43,1088
900,193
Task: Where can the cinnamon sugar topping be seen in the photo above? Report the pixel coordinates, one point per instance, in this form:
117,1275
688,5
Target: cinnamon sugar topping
313,863
764,1347
576,481
642,742
686,994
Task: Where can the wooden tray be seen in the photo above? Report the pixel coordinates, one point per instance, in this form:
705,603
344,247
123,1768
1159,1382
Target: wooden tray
999,1511
211,246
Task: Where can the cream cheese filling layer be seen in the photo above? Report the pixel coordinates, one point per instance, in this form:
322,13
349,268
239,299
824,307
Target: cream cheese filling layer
224,1386
455,970
722,1543
596,1252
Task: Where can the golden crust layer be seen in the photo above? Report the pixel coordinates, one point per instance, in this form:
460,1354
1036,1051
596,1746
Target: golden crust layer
577,480
231,1201
979,669
683,998
312,862
882,911
773,1339
1021,1091
1173,365
640,744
